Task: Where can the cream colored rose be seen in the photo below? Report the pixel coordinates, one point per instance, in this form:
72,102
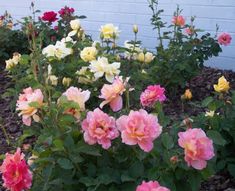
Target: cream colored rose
88,54
135,29
32,159
66,81
49,51
146,58
53,79
75,24
9,64
16,58
101,67
85,76
109,31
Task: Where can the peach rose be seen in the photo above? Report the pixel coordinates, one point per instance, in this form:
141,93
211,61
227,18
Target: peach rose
23,105
99,128
140,128
78,96
112,94
198,148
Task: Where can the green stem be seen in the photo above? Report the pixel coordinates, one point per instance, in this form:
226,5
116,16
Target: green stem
5,134
127,100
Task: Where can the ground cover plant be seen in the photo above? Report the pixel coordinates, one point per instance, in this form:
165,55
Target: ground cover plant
95,109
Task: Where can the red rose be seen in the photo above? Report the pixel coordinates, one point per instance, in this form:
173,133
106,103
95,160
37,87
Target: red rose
49,16
66,11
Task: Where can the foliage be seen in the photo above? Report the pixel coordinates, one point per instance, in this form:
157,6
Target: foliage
66,155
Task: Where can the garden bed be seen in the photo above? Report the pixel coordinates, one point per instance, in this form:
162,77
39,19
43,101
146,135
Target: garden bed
200,86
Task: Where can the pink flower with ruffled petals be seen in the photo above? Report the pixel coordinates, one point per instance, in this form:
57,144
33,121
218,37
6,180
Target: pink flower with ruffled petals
178,20
140,128
151,186
23,105
15,172
112,94
151,95
198,148
99,128
224,39
78,96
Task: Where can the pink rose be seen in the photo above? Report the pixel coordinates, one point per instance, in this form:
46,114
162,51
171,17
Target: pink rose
178,20
15,172
140,128
49,16
78,96
99,128
224,39
198,148
112,94
23,105
151,186
151,95
189,31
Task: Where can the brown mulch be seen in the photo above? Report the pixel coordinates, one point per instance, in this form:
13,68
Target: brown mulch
201,87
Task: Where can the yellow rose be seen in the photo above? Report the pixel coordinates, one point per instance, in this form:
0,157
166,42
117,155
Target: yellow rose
88,54
222,86
66,81
109,31
187,95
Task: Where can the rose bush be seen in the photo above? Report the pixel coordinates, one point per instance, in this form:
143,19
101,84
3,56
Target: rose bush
97,109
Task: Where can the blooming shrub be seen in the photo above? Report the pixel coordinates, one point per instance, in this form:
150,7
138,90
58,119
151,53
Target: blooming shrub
97,125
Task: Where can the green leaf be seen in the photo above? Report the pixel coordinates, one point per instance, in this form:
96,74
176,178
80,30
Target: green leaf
34,104
167,141
136,170
231,169
216,137
65,163
59,144
207,101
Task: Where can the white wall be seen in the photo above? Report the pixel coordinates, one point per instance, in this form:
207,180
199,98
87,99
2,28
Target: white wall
125,13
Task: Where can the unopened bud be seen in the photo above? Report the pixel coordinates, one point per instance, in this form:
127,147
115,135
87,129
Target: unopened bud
135,29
